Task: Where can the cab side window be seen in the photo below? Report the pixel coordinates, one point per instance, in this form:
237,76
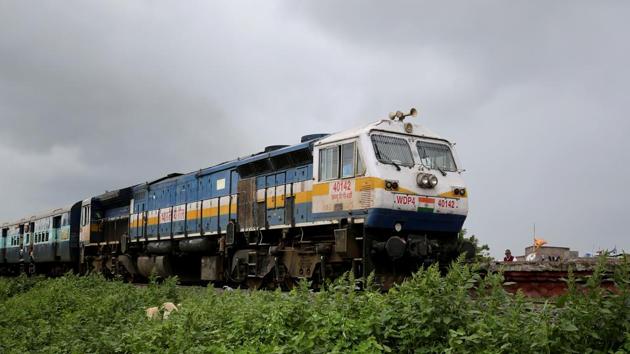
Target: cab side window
85,215
340,161
347,160
329,163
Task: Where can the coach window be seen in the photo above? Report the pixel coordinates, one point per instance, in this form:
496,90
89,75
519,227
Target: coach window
329,163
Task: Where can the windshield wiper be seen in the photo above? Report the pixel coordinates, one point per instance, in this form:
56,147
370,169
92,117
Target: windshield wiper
441,171
378,156
378,152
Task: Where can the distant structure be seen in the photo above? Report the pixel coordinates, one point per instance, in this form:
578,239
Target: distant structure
538,252
548,253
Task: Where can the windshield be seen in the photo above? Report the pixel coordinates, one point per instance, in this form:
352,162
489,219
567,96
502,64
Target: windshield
436,156
391,150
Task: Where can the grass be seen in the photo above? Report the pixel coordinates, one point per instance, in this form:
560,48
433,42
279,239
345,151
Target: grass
430,313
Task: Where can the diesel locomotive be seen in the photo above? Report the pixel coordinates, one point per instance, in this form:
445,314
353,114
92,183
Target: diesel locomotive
387,198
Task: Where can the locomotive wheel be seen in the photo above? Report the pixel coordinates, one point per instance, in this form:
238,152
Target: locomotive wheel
123,274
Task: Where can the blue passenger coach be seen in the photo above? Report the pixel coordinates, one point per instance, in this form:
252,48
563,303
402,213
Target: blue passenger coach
47,242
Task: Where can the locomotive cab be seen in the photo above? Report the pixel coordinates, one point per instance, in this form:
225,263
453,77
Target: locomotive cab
90,230
401,181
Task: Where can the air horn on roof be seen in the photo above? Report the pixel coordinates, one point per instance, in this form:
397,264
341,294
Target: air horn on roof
401,116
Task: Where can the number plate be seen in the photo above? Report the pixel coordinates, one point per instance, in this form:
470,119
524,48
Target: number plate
446,204
426,204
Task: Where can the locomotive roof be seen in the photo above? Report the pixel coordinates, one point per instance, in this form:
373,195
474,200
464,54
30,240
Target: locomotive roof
229,164
384,124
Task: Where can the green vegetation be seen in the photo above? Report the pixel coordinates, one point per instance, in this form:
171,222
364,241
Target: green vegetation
481,252
430,313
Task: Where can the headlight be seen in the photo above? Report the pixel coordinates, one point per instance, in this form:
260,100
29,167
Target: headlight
433,181
426,180
423,180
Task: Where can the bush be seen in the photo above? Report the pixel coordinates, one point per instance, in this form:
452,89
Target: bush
430,313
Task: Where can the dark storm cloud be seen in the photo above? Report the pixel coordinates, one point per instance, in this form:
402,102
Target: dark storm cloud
99,95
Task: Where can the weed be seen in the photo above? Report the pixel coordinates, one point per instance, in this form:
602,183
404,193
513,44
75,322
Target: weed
460,312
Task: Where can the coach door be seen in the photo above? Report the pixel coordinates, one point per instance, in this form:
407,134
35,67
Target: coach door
4,243
54,236
20,242
27,246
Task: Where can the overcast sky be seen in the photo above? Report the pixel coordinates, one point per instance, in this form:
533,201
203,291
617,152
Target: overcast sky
97,95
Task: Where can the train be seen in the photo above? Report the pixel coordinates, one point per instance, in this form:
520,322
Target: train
385,198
